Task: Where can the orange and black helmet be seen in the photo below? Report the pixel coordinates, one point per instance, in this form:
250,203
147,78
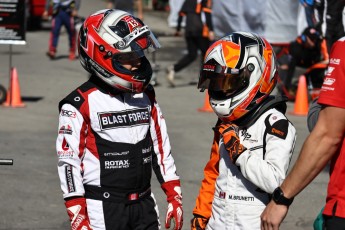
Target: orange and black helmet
239,71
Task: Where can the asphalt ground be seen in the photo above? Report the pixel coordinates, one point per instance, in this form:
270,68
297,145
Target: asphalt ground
30,196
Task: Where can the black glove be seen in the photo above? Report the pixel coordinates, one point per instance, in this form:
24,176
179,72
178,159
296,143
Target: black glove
198,223
231,140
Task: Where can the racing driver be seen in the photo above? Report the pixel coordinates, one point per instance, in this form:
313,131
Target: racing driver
253,140
112,132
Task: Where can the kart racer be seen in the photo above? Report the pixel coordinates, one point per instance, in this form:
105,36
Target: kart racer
112,132
253,140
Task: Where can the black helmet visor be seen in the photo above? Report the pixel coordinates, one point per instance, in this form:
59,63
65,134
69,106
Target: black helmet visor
217,78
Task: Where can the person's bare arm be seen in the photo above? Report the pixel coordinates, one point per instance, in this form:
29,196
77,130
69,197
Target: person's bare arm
110,4
317,150
140,9
320,146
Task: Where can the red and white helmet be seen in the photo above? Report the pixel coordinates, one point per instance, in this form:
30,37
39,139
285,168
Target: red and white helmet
239,72
108,38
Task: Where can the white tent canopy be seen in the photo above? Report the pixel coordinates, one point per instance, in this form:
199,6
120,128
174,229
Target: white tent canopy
279,21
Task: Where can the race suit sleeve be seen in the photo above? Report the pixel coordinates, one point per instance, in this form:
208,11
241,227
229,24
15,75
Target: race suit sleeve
268,170
203,204
70,150
163,163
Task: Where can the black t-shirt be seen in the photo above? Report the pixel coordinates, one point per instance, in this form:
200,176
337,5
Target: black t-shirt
193,19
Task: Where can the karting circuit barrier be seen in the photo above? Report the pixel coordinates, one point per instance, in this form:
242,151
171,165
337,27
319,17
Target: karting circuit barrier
301,102
207,106
13,98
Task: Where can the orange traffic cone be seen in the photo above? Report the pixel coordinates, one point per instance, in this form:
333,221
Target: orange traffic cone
13,98
301,101
207,106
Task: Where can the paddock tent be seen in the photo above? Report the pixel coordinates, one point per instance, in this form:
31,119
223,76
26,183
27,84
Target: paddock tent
276,20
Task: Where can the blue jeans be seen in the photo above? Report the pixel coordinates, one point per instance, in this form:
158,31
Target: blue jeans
310,16
62,18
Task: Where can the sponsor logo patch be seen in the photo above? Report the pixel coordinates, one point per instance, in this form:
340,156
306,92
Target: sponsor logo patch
116,154
110,120
68,113
328,81
69,178
329,70
222,194
326,88
147,159
65,129
65,145
278,132
116,164
133,23
207,67
334,61
247,136
147,150
234,71
65,152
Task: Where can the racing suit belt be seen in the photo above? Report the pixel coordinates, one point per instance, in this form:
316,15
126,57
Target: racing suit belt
113,195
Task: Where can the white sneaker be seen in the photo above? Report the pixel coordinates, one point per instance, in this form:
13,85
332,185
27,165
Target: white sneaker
170,75
154,81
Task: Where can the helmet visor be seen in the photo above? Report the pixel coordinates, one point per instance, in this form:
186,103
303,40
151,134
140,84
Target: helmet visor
138,41
229,81
128,56
141,38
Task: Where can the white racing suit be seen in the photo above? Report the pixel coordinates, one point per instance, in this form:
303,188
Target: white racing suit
107,146
233,196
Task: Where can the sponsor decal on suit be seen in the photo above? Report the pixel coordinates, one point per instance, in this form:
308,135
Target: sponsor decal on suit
66,129
119,164
65,152
69,178
68,113
111,120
